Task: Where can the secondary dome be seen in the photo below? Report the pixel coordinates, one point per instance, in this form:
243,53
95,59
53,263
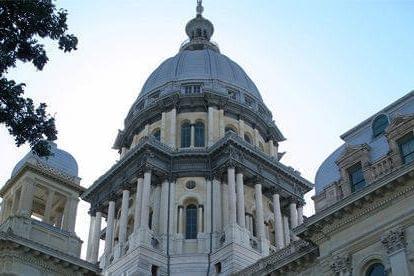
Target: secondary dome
198,66
59,160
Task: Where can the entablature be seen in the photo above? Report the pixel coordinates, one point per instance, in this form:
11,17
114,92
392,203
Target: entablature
164,162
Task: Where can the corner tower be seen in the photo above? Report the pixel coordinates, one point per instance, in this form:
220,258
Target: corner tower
38,216
199,188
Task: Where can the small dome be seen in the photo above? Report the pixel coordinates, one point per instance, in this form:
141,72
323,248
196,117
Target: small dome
59,160
200,65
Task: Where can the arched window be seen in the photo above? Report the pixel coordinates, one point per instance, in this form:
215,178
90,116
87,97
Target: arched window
379,125
247,138
191,222
199,134
185,135
376,269
157,134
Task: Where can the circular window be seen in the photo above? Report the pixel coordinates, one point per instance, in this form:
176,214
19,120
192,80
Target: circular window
190,184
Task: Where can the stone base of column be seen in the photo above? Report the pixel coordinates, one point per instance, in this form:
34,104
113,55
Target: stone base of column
203,242
236,234
141,237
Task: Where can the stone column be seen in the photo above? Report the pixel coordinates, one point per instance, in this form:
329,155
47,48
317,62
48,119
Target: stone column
210,126
271,148
207,212
293,218
286,230
259,211
172,206
276,150
192,136
15,203
278,222
222,126
217,197
109,234
72,214
96,238
300,215
164,136
180,220
164,207
260,226
26,198
241,128
240,200
247,219
138,204
90,237
173,128
231,195
123,220
200,219
145,200
395,244
69,214
48,207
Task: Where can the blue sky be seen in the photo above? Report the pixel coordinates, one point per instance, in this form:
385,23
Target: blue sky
321,66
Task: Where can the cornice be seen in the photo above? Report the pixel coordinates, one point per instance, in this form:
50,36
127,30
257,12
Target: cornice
319,226
44,171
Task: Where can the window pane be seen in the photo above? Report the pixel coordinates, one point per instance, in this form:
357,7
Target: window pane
191,222
199,135
185,135
356,177
407,148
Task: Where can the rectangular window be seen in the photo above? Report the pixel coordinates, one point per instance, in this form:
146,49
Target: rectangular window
406,145
356,177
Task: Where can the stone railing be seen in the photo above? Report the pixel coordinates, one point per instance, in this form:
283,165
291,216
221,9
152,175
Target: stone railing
43,233
382,167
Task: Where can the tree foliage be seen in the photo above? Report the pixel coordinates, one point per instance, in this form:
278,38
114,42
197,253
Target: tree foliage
23,24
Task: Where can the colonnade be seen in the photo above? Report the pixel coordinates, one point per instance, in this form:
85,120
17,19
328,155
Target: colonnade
235,213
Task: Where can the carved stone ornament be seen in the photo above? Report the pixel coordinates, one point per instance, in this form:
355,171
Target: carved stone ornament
341,264
394,240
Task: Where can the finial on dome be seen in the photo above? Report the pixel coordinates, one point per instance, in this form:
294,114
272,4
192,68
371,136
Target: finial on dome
199,8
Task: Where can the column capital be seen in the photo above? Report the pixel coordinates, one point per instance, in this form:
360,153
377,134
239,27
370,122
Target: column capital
394,240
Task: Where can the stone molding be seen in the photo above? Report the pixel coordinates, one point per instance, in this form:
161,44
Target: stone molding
394,240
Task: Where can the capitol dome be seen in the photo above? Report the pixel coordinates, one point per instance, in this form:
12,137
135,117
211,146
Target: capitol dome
59,160
200,65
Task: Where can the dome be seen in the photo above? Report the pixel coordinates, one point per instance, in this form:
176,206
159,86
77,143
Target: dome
59,160
200,65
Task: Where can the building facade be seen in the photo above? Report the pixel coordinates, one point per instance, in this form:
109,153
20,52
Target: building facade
199,188
364,221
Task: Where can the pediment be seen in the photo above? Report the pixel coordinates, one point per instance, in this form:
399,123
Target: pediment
353,152
400,123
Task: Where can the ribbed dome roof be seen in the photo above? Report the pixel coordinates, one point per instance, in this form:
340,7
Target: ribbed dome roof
196,65
59,160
